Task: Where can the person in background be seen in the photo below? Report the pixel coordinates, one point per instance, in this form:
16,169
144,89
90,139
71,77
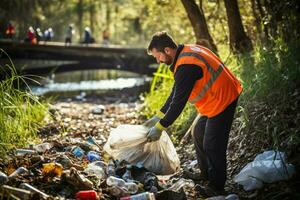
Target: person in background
88,38
69,34
10,31
202,79
48,34
31,37
39,35
105,38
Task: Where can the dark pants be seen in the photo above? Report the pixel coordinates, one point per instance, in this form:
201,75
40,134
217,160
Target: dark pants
210,140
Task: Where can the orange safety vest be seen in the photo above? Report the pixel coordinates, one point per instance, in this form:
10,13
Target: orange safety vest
217,88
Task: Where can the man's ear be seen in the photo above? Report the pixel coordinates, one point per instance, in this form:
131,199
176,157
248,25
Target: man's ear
167,50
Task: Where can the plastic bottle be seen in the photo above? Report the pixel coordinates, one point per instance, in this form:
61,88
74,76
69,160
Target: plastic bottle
114,181
78,152
93,156
22,152
118,191
111,169
41,148
96,170
141,196
19,171
127,175
33,189
181,183
52,168
86,195
220,197
17,192
132,188
232,197
3,178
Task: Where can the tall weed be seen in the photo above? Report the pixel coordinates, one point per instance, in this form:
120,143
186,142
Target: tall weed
21,113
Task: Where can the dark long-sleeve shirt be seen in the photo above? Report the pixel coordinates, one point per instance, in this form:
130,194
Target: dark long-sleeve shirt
185,77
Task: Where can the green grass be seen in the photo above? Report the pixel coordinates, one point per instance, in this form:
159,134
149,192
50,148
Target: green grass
21,113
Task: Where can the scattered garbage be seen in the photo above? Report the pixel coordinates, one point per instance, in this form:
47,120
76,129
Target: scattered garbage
129,143
98,110
3,178
41,148
79,168
181,183
141,196
93,156
19,171
26,186
23,152
221,197
87,195
268,167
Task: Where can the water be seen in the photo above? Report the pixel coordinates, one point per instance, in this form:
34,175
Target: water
89,80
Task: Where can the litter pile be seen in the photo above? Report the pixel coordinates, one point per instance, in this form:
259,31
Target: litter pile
79,168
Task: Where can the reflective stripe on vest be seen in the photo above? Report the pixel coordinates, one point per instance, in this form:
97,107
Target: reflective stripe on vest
214,74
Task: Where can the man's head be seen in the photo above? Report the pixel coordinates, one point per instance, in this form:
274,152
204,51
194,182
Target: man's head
162,47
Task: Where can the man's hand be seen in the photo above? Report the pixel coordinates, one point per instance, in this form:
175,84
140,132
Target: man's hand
155,132
151,122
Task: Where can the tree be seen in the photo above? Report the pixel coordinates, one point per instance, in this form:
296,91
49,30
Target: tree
239,41
198,21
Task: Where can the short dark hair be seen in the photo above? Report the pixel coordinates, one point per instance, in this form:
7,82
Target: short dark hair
160,41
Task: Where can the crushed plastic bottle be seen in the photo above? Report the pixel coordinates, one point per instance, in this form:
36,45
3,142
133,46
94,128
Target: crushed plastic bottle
19,171
78,152
118,191
132,188
3,178
141,196
93,156
94,169
232,197
181,183
114,181
220,197
23,152
41,148
127,175
33,190
53,169
86,195
111,169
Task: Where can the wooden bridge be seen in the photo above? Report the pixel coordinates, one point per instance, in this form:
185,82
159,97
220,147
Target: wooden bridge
56,57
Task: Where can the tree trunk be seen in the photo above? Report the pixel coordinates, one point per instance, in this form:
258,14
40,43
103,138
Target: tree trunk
92,16
80,17
239,41
197,19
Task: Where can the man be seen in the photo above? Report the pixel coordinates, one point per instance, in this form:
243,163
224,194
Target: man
202,79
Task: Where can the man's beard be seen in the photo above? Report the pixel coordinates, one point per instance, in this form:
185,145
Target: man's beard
169,60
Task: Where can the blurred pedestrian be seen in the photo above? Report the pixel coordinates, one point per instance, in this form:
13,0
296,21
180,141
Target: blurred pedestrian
30,36
10,31
39,35
105,38
48,34
69,34
87,35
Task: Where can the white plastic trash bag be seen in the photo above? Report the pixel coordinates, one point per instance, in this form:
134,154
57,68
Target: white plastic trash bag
267,167
129,142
